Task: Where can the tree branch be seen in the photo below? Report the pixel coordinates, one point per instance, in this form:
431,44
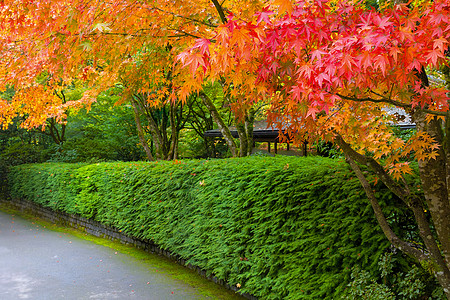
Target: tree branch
387,230
141,34
184,17
393,102
220,123
219,9
413,203
183,34
368,99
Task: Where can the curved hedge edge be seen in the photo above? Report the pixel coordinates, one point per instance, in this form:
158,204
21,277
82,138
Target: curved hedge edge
98,229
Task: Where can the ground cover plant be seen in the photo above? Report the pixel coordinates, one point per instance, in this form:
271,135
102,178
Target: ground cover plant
278,228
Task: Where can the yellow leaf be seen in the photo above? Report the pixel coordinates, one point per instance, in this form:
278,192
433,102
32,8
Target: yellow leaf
283,6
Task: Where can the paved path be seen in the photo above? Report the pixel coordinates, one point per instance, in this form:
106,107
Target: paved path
36,263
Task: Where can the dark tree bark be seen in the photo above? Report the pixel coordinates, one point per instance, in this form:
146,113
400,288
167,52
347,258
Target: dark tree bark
220,123
58,135
249,121
140,130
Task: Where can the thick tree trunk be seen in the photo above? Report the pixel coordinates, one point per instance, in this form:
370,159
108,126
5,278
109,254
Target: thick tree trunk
435,177
140,131
220,123
434,183
245,132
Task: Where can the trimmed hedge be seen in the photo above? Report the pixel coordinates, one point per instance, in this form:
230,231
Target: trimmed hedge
282,228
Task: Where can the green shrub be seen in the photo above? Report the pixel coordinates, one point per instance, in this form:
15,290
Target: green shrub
21,153
280,228
415,284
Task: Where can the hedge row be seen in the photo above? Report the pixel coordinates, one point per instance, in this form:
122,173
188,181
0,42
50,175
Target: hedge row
281,228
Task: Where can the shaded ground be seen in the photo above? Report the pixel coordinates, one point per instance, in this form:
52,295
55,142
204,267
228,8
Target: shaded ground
38,263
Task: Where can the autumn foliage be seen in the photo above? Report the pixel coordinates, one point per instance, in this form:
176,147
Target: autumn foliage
103,43
331,70
337,70
343,61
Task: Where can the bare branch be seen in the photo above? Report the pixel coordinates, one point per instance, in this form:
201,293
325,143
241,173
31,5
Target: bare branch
433,112
184,33
184,17
376,167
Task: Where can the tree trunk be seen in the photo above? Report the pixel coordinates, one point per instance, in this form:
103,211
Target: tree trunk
220,123
140,131
157,138
243,141
434,183
249,121
57,137
174,134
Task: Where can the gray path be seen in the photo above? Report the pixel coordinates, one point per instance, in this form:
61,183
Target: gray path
36,263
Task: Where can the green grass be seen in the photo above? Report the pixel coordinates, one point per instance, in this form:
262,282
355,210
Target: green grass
149,260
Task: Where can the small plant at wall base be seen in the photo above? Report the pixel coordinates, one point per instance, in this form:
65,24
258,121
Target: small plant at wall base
393,284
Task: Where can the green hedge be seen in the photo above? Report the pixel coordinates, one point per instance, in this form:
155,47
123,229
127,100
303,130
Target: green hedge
282,228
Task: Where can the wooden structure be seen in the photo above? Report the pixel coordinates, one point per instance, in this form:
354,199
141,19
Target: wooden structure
261,134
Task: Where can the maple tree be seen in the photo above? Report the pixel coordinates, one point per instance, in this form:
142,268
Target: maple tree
105,43
25,103
336,70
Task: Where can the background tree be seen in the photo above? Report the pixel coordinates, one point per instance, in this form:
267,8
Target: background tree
200,121
106,132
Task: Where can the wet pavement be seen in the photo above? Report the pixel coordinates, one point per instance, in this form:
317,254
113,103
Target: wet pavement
36,263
